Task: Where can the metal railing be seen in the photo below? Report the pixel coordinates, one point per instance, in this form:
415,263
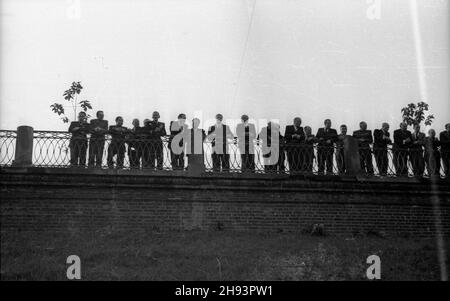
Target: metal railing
61,150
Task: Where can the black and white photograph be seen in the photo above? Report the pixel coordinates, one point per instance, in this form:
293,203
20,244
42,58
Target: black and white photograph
224,147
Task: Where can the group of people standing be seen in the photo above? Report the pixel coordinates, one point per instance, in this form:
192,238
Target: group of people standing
296,146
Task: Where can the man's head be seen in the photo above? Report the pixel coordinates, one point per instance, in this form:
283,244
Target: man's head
119,120
135,122
244,118
219,118
403,126
308,130
431,133
363,125
155,116
181,118
327,123
146,121
447,127
385,126
195,123
416,127
100,115
82,117
343,129
297,121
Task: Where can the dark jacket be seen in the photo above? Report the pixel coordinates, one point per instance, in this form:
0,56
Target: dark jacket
80,133
155,130
291,130
399,137
379,142
444,137
246,135
221,137
324,135
419,139
100,133
135,137
365,136
118,133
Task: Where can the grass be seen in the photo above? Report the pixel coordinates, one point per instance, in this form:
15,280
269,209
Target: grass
219,255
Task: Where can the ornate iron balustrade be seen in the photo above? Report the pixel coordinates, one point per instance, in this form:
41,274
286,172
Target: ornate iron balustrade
57,149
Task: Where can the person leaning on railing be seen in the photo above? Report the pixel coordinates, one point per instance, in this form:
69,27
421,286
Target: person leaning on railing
432,155
155,131
295,138
310,140
325,150
272,148
340,158
78,141
98,130
135,140
364,138
444,137
416,151
380,144
402,142
246,134
194,139
117,147
177,129
219,134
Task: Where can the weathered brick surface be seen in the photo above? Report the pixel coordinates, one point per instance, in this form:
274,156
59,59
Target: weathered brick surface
41,200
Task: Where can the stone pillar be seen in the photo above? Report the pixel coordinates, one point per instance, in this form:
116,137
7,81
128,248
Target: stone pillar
24,146
351,156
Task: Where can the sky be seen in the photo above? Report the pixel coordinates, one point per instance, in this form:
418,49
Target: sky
348,60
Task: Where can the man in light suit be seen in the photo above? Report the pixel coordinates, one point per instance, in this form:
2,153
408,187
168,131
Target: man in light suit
246,134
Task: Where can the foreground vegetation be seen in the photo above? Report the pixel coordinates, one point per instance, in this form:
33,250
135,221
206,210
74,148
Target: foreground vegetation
219,255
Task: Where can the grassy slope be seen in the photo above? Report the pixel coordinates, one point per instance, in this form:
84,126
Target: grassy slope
220,255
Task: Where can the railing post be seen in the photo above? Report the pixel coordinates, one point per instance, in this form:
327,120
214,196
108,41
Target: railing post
351,156
24,146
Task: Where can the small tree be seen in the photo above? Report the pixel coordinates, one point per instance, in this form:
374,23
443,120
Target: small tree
71,95
415,113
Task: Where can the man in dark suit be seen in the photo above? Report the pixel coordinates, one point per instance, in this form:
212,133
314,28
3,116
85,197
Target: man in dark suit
381,141
99,128
340,159
177,129
416,151
135,140
364,138
325,149
295,138
432,155
117,147
246,134
78,141
155,130
444,137
402,142
219,134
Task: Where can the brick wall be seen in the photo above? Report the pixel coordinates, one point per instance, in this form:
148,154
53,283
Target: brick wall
65,200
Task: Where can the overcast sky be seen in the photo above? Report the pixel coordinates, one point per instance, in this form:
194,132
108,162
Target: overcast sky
271,59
